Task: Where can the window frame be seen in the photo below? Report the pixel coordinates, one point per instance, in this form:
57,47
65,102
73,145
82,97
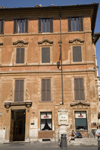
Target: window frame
19,79
15,25
45,90
45,119
79,89
86,120
80,23
77,61
40,25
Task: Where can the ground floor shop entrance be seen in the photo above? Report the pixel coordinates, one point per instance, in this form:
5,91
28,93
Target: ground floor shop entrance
17,129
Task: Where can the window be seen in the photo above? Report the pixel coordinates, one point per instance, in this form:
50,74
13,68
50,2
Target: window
1,26
20,55
80,120
46,120
45,54
19,90
46,90
45,25
77,55
79,88
21,26
75,24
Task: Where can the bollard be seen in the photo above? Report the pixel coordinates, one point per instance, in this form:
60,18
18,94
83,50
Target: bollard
98,145
63,143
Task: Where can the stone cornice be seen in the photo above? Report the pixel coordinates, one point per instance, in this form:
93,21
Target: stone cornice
79,103
20,42
45,40
76,40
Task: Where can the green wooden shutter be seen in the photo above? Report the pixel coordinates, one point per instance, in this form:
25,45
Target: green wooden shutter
2,27
48,90
46,55
81,89
80,23
77,55
17,55
16,99
22,55
51,24
39,25
26,25
76,87
15,26
43,90
69,24
19,90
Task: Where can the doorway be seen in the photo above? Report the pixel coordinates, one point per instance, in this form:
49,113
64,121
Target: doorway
17,130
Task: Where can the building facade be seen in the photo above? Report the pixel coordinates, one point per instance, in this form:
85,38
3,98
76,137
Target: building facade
32,41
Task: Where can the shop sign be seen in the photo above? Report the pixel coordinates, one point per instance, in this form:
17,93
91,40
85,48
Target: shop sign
62,117
80,114
46,115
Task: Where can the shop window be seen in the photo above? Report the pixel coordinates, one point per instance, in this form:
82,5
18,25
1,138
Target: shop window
75,24
45,54
80,120
45,25
1,26
46,121
46,90
20,52
77,54
19,90
21,26
79,88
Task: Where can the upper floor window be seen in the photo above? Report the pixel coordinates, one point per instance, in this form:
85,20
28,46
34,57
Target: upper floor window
75,24
77,54
46,90
1,26
79,88
45,25
19,90
20,52
21,26
45,54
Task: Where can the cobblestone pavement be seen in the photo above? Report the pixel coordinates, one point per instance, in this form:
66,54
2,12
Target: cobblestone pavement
41,146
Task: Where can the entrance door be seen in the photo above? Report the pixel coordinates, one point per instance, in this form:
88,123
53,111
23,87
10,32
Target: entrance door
17,125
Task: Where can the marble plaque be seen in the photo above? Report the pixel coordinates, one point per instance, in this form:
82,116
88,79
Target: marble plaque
62,117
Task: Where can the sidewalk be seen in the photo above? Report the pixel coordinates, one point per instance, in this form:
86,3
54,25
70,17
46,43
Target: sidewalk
42,146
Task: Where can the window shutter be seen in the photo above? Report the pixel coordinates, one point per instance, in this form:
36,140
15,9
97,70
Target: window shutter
21,91
39,25
46,55
81,86
2,26
15,26
76,87
69,24
16,90
80,23
77,55
43,89
26,25
22,53
48,90
18,55
51,25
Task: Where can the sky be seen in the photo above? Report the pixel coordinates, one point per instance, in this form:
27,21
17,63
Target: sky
32,3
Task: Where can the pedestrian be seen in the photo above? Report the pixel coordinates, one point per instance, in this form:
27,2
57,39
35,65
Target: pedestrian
98,133
72,136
